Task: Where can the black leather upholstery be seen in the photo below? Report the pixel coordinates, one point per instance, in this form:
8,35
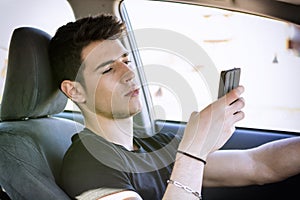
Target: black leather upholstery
32,141
29,91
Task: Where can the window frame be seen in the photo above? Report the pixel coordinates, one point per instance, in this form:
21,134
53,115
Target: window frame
148,115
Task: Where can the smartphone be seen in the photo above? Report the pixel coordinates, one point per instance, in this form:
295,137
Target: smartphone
229,79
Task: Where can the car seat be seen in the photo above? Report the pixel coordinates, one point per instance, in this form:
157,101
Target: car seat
32,140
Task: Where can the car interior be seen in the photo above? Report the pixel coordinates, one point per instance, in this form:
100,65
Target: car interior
36,128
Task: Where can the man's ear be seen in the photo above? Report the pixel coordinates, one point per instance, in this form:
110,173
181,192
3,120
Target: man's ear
73,90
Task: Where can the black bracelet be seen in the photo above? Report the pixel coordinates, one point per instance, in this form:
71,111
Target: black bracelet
191,156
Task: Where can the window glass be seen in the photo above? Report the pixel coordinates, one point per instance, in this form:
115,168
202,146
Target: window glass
184,47
46,15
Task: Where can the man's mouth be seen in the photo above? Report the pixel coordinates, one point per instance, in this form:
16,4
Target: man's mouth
133,93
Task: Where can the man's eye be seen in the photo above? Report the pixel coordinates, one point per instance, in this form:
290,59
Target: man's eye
127,62
107,70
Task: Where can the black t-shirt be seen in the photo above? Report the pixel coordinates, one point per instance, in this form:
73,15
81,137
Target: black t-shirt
91,162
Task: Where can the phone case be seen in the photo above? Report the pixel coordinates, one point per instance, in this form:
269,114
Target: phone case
229,79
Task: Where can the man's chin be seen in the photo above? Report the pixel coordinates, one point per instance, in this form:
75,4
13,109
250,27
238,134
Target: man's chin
125,115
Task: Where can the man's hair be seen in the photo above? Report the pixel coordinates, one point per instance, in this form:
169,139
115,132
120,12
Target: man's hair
69,40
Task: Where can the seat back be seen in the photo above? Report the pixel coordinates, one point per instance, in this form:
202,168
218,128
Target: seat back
32,140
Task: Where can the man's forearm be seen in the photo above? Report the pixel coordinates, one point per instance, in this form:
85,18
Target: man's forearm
271,162
188,172
278,160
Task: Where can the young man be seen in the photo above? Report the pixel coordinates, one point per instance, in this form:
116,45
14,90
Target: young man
107,161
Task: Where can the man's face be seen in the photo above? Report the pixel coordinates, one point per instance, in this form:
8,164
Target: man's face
110,88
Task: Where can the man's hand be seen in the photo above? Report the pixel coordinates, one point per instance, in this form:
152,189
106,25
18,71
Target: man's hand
208,130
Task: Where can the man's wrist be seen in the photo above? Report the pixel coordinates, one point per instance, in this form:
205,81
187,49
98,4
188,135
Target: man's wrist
192,156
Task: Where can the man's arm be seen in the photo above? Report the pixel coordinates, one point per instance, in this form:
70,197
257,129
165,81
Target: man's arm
124,195
109,194
271,162
205,132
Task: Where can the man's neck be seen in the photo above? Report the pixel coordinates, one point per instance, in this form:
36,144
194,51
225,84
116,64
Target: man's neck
117,131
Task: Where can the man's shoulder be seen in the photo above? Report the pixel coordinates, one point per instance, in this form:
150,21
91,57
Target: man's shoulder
87,142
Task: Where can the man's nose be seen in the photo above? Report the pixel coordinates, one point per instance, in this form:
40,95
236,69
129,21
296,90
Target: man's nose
128,74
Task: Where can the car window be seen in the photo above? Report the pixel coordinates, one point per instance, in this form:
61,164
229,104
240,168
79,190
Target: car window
183,49
45,15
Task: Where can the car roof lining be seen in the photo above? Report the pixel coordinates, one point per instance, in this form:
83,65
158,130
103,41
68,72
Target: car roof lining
278,9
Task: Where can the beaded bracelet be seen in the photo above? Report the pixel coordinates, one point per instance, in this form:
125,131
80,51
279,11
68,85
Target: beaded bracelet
185,188
191,156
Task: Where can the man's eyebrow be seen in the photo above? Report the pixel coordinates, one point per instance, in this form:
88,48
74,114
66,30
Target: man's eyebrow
111,61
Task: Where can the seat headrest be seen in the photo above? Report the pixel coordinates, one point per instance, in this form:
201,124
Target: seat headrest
30,91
